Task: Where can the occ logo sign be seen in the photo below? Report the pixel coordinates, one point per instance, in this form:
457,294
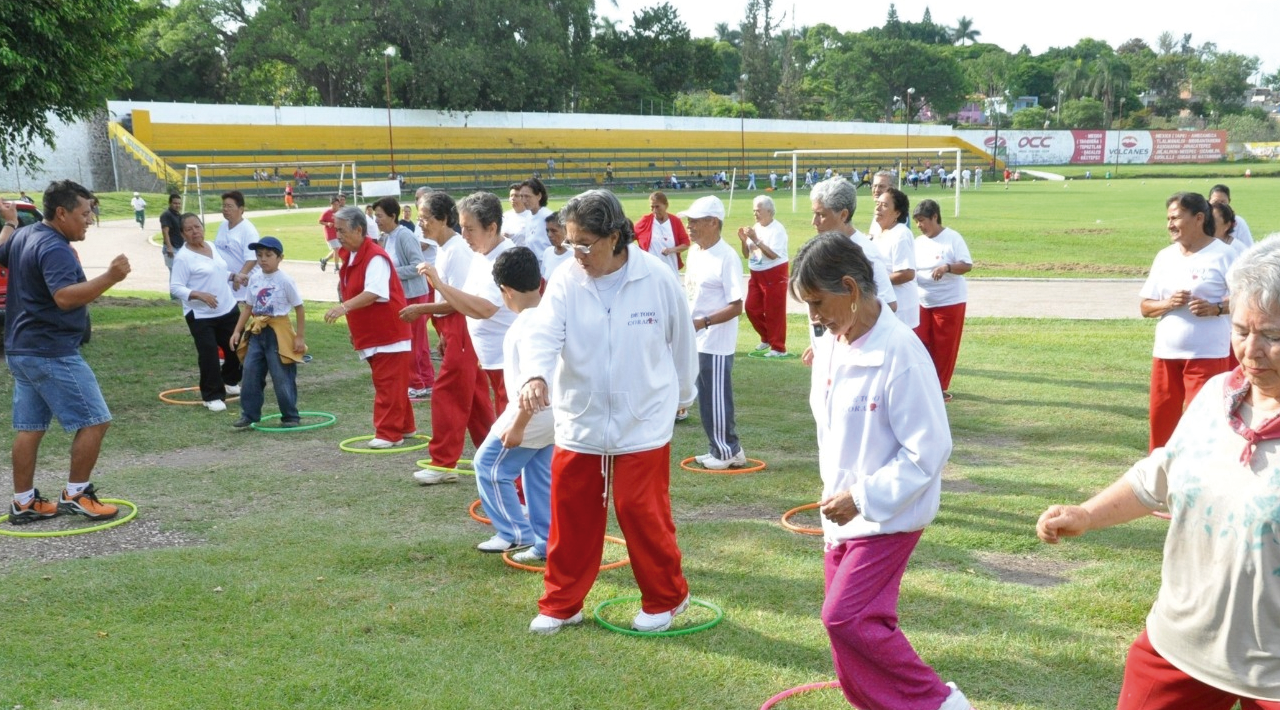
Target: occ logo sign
1035,141
991,142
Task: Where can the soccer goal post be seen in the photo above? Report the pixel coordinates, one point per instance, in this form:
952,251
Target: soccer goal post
940,152
259,176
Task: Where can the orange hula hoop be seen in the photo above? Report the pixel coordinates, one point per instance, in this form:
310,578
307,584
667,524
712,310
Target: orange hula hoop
786,522
164,396
759,466
506,557
471,510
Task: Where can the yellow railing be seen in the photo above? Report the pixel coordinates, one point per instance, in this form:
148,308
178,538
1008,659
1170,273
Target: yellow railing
143,154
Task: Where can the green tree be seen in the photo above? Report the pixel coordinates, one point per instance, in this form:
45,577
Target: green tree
1108,79
1223,79
183,54
760,62
707,103
964,31
1031,118
1083,113
64,59
884,69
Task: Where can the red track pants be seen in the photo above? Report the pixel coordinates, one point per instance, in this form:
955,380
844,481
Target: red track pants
392,411
1174,383
766,305
460,402
940,330
423,374
642,502
1153,683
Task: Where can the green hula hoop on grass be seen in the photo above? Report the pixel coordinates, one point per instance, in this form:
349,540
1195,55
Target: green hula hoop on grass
719,616
133,513
469,471
329,420
763,354
345,445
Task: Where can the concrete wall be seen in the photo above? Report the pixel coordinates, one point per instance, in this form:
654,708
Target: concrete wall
81,154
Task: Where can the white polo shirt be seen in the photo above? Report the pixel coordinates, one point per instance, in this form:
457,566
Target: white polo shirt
487,333
899,249
713,280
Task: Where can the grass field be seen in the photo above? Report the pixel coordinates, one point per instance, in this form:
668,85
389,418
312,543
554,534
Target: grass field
1036,229
269,571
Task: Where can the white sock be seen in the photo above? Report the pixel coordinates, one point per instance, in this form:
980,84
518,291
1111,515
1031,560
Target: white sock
75,489
25,497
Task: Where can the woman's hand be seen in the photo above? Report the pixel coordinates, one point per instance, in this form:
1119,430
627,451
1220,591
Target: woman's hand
746,234
207,299
1178,299
533,396
940,271
409,314
1204,309
238,279
335,313
235,340
807,357
1061,521
839,508
429,271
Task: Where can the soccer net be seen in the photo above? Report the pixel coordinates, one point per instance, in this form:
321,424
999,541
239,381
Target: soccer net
263,179
863,164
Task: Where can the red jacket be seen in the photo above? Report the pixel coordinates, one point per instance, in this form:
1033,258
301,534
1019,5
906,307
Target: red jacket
644,234
379,323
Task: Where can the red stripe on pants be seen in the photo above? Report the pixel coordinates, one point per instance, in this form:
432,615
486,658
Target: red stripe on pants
1174,383
392,411
940,330
423,374
642,502
766,305
460,401
1153,683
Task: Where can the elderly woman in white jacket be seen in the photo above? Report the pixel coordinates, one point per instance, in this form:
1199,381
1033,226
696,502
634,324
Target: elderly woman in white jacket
615,347
883,439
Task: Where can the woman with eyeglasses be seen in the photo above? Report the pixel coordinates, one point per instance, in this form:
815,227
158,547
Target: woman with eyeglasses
614,356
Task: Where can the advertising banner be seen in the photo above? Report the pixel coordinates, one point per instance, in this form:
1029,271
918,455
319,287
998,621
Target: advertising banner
1094,147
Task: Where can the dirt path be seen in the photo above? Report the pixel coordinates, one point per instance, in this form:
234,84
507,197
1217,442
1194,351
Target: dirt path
1005,298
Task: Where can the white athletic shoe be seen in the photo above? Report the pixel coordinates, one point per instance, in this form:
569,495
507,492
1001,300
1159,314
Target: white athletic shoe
652,623
376,443
738,460
956,701
762,346
497,543
215,405
528,556
233,390
547,625
431,478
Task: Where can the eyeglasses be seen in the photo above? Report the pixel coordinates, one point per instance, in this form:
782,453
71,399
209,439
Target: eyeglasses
583,249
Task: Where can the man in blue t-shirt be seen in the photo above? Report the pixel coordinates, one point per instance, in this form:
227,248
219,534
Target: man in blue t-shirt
46,318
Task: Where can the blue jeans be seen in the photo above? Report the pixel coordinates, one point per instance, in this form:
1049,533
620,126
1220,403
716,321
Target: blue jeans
263,357
496,470
62,387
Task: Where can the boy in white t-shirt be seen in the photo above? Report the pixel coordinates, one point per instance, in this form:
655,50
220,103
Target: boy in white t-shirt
557,253
266,342
713,282
519,444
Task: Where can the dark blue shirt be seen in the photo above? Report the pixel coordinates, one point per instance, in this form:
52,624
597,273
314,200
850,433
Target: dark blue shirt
40,262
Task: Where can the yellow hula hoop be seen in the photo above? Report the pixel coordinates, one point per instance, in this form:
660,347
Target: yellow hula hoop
345,445
164,396
133,513
470,471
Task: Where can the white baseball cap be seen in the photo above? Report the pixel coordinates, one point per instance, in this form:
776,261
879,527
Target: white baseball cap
136,195
709,206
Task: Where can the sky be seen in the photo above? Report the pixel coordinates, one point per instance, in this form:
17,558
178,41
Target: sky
1242,26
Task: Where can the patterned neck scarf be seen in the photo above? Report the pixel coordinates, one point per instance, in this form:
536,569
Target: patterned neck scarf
1236,391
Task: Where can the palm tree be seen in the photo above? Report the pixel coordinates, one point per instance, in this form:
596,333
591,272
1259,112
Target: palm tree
964,31
724,34
1110,76
1072,79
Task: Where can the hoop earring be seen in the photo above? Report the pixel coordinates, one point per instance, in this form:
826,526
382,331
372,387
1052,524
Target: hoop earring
854,308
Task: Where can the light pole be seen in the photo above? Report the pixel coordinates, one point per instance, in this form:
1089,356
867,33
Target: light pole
910,92
1058,106
1118,146
387,54
742,118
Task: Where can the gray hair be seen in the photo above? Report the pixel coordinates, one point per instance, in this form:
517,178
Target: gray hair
764,202
836,194
1254,280
882,173
354,218
484,206
824,261
600,213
